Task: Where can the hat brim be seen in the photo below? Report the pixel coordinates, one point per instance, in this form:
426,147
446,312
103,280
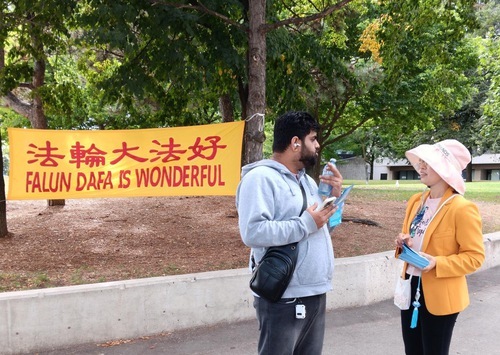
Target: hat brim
442,167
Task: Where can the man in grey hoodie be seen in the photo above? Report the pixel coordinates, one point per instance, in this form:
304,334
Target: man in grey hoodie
269,202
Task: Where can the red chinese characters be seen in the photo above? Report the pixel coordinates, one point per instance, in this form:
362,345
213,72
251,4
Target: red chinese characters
198,149
90,157
171,153
155,165
94,157
45,155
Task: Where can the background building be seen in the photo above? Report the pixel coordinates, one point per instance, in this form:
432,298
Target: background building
484,167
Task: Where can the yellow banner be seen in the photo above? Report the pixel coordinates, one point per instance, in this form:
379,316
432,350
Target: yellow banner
189,161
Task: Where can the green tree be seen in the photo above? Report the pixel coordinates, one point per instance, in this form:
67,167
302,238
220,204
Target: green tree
427,61
361,76
31,31
217,48
472,123
164,63
488,125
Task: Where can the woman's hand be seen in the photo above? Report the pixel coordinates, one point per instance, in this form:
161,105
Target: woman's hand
432,262
406,238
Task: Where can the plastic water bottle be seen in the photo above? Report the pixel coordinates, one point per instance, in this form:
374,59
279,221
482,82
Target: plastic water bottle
326,189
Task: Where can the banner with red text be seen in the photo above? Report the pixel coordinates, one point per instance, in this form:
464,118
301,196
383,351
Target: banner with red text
189,161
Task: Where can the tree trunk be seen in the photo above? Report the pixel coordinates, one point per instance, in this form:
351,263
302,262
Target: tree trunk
226,108
254,127
12,102
317,169
37,117
468,175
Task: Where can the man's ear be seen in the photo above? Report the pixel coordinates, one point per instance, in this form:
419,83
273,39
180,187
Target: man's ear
295,142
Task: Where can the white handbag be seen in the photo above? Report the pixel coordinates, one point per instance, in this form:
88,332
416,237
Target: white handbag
402,293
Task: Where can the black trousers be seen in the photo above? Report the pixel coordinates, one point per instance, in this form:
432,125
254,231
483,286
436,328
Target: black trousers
432,336
281,333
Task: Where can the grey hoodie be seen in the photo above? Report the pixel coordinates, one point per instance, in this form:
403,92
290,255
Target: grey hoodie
269,201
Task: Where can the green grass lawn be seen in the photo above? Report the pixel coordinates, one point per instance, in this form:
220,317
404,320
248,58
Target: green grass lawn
487,191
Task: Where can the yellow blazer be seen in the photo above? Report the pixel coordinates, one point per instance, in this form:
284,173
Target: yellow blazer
454,237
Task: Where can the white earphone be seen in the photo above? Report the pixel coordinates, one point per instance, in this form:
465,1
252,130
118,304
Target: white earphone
296,145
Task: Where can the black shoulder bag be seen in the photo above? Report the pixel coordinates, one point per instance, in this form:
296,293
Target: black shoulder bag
270,278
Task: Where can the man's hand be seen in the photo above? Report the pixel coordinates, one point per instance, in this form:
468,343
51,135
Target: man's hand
334,180
322,215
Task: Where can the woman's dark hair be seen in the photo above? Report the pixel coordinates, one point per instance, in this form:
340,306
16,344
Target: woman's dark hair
291,124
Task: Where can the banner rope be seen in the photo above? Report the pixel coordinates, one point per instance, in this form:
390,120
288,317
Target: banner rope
256,114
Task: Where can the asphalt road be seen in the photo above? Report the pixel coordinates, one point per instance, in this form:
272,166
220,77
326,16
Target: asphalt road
373,330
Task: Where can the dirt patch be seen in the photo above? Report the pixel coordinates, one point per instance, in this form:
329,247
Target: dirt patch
97,240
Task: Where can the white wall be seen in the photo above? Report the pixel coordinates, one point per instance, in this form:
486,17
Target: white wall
353,168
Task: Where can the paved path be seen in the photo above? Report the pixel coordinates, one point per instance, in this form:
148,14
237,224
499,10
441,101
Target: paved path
373,330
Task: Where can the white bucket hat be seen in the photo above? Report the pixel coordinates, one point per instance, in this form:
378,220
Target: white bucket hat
447,158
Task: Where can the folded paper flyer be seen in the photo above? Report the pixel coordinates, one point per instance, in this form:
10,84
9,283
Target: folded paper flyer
412,257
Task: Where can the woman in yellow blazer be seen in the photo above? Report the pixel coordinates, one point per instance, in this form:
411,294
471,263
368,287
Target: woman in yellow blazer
447,230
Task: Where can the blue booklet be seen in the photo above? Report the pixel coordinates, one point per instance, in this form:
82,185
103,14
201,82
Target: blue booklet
336,201
343,196
412,257
336,219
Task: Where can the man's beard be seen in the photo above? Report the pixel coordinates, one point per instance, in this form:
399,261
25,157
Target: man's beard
308,160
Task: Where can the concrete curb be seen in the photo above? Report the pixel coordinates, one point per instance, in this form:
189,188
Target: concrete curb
45,319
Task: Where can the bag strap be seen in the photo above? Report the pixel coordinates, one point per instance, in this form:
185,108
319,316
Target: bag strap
304,206
304,197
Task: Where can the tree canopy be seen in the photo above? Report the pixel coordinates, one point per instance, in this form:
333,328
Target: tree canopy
394,66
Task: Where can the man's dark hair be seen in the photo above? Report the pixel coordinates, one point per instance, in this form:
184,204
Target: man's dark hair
291,124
